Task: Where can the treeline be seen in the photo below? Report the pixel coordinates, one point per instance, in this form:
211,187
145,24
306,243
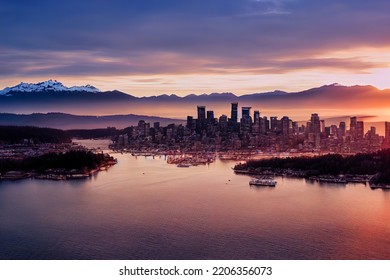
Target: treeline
39,135
377,163
80,160
19,134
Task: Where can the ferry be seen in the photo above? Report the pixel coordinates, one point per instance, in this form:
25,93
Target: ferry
262,182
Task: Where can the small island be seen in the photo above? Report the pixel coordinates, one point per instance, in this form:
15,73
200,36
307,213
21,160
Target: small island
373,168
45,153
74,164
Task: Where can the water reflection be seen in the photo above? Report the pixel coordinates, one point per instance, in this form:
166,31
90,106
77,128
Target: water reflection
146,209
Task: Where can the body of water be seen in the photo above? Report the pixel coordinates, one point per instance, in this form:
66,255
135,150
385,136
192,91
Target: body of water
143,208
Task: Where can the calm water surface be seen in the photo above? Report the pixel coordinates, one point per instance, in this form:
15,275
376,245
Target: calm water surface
143,208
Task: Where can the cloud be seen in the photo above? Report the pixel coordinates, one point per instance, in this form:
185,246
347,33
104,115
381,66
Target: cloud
101,63
189,37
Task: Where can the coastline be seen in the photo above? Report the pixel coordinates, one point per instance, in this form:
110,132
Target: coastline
54,162
56,174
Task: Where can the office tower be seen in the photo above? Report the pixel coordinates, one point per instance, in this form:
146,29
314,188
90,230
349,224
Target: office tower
246,120
274,123
352,126
295,127
190,122
256,118
262,125
210,116
246,112
333,131
286,127
342,129
322,126
234,112
201,121
201,113
266,122
315,123
223,123
141,128
359,132
156,125
387,131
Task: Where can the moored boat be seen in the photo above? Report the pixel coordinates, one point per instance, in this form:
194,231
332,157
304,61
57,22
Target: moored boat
262,182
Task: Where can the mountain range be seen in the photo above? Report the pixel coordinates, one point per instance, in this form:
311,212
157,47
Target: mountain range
328,100
68,121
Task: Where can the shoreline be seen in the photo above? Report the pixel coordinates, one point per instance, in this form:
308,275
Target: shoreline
343,179
20,175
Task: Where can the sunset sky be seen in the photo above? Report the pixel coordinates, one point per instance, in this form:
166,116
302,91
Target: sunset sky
182,47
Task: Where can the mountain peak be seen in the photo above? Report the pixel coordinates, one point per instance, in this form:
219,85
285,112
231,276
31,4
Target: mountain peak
50,85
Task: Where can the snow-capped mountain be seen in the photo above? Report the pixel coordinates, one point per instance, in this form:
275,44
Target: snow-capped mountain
46,86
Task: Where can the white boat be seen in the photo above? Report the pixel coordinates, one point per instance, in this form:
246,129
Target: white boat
262,182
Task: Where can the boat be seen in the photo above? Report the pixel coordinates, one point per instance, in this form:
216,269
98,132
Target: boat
262,182
183,165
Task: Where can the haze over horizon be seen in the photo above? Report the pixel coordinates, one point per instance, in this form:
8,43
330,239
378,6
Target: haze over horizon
183,47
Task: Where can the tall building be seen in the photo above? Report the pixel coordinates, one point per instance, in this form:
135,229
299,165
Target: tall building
190,122
295,127
274,123
359,131
234,112
286,125
342,129
246,120
352,126
223,123
141,128
315,123
256,117
322,126
246,112
201,113
201,121
266,122
387,131
210,116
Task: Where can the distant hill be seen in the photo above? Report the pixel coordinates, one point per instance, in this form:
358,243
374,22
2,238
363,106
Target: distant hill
67,121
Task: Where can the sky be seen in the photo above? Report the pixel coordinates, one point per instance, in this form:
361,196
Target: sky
181,47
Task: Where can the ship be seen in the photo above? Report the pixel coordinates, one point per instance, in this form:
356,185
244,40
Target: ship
262,182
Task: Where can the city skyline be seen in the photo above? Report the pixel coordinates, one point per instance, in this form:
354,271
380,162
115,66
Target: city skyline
238,46
209,133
